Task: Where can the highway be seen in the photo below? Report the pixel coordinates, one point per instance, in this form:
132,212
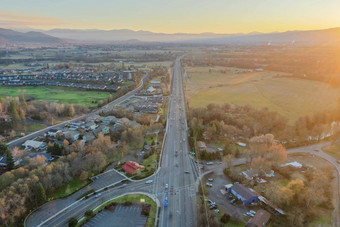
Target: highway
176,169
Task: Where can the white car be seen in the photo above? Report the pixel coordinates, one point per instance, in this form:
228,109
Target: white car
97,195
208,184
166,186
210,163
148,182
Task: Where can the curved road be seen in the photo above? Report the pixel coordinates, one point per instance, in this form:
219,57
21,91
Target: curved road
176,170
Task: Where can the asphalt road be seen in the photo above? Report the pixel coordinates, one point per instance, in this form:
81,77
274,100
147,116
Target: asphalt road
178,171
181,192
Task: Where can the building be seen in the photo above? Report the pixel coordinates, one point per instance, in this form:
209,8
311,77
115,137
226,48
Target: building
260,219
32,144
250,174
71,135
246,195
132,167
53,132
201,145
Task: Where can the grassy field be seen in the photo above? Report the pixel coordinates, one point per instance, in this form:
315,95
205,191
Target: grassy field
57,94
68,189
290,97
334,150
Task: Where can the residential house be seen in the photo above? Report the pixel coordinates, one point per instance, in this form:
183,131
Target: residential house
260,219
132,167
53,132
246,195
71,135
32,144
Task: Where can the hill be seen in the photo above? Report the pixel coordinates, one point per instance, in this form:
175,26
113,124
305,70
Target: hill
10,36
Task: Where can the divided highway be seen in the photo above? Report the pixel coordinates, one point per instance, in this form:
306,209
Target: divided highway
175,180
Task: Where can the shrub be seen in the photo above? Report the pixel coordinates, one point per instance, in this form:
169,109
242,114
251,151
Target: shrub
225,218
72,222
146,209
89,213
127,203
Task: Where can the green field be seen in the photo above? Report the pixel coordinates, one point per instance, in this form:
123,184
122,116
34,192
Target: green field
57,94
290,97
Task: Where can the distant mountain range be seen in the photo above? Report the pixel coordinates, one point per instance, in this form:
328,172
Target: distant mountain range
10,36
125,34
314,37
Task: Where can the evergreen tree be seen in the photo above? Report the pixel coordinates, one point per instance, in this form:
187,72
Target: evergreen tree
10,160
3,148
41,194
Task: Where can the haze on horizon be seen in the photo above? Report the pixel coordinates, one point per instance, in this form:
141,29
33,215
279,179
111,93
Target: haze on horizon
189,16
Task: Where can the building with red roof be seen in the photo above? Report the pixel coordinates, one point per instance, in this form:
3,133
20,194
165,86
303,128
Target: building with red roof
132,167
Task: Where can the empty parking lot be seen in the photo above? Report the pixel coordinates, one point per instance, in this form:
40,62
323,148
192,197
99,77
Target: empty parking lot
122,216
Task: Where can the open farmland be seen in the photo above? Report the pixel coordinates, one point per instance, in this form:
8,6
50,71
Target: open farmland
290,97
56,94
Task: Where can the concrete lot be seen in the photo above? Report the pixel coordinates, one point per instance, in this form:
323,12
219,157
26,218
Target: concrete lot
122,216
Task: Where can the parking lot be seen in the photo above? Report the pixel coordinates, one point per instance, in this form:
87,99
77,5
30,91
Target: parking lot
106,179
223,203
122,216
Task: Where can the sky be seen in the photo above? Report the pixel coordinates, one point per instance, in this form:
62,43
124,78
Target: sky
172,16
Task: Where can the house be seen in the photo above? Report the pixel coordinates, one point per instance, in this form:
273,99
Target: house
106,130
89,126
250,174
53,132
260,219
151,89
201,145
292,164
132,167
32,144
155,82
71,135
246,195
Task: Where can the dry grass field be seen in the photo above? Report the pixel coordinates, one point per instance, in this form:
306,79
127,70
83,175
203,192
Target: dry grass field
290,97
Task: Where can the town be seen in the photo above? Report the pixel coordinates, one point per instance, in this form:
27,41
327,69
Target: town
213,114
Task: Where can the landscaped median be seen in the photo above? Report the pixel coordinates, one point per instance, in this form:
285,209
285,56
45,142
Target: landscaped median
125,199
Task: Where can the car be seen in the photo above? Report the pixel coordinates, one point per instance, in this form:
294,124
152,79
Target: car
166,186
211,179
252,211
148,182
233,201
230,197
187,172
250,214
210,163
217,211
97,195
208,184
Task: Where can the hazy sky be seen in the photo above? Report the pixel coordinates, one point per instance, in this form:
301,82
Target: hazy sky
194,16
